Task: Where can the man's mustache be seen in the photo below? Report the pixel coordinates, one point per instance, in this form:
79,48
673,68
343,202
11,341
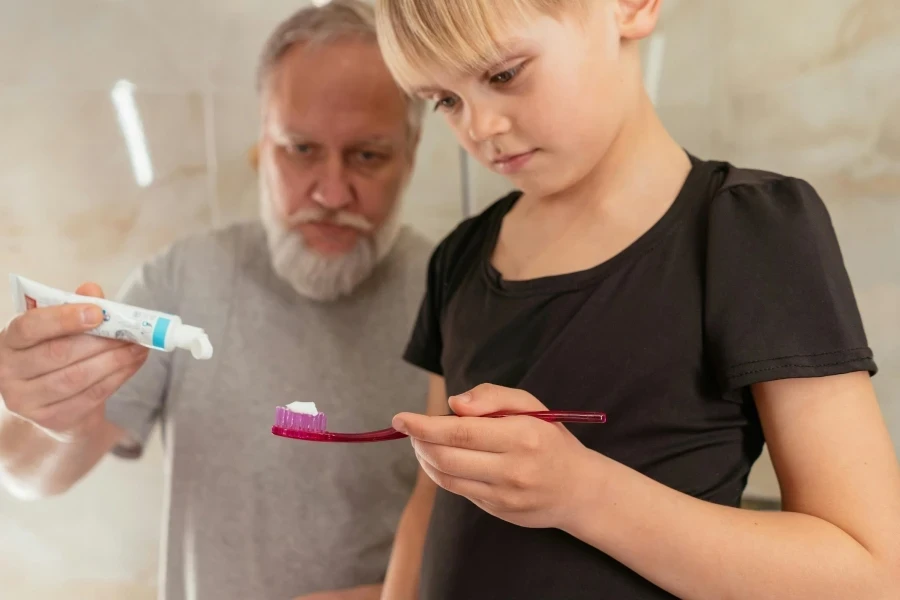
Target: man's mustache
320,215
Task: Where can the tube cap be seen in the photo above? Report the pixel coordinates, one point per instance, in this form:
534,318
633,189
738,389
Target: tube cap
195,340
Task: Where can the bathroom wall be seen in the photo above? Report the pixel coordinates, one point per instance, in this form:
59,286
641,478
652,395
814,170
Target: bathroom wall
806,87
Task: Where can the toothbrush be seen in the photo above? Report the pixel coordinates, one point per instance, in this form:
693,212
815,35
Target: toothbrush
311,426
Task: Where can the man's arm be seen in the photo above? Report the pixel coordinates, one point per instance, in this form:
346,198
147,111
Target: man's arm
402,579
34,464
54,382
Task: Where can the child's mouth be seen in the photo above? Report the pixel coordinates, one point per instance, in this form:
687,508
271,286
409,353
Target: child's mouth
512,163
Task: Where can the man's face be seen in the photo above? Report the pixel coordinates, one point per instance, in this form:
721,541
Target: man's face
335,155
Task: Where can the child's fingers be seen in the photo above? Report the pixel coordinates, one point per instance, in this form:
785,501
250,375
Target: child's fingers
486,435
461,462
487,398
474,490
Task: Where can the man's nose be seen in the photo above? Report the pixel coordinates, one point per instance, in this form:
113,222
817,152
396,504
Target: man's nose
333,190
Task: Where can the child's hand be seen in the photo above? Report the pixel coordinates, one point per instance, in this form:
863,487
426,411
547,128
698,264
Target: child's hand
520,469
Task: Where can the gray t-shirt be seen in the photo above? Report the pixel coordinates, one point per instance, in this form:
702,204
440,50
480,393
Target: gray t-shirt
249,515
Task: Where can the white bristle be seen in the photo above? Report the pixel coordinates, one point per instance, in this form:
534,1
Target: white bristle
287,419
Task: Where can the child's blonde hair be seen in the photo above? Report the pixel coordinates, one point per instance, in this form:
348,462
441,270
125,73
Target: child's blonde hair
459,35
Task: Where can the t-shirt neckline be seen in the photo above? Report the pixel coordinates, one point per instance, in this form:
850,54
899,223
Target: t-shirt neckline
567,282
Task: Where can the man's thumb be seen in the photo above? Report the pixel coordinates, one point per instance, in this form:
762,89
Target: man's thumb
90,289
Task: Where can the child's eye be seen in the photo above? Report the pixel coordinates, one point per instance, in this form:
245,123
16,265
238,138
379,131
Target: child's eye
445,103
506,76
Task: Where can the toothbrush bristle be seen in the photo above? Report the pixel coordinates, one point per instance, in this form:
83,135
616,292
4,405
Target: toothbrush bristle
285,418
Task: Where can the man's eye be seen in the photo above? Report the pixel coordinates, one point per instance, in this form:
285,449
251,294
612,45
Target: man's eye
301,148
369,158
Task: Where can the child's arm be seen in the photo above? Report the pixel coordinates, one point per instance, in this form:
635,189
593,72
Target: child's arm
836,540
402,579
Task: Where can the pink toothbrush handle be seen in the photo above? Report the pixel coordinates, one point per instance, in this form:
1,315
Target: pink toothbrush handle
384,435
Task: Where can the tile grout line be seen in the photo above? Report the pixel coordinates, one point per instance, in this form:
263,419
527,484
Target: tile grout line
212,159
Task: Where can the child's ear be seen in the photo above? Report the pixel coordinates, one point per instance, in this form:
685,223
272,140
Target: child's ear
637,18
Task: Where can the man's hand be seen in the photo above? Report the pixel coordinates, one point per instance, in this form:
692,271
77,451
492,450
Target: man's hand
53,375
364,592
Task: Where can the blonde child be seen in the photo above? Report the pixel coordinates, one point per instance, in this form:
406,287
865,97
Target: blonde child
704,307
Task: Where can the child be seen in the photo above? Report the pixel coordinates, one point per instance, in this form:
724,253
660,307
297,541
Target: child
703,307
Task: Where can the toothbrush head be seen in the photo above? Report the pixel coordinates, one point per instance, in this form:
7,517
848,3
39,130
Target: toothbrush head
289,420
301,421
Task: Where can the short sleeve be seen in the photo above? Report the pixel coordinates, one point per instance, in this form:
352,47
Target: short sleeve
426,343
137,405
779,303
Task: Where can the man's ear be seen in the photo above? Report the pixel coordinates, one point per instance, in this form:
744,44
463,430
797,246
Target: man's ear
637,18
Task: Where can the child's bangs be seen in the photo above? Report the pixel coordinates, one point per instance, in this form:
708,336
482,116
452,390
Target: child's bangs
460,36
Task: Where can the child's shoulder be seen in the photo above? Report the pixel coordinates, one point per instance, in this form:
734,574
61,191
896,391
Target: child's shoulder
745,197
760,187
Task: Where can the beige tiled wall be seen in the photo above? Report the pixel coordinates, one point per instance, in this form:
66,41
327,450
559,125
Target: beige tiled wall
808,87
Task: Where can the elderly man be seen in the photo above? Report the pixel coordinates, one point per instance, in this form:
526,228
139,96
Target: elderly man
314,303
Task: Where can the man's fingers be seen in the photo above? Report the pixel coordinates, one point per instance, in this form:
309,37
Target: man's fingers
79,377
68,414
58,353
90,289
42,324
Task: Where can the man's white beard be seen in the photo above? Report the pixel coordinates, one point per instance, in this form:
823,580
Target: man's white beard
312,275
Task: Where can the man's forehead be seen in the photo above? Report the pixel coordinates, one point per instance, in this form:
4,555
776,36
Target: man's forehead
345,130
349,92
351,73
338,122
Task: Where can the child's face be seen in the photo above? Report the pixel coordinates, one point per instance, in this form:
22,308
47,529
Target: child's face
545,115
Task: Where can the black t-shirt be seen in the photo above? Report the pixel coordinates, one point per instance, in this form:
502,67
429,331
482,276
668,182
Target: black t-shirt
741,281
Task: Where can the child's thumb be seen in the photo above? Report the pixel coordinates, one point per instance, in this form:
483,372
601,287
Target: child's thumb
487,399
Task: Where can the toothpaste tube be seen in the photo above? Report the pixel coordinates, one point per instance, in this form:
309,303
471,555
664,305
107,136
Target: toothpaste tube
149,328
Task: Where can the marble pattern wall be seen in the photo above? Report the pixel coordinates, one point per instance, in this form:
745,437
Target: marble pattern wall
806,87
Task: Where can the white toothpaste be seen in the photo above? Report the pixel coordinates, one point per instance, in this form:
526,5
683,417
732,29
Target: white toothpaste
149,328
303,408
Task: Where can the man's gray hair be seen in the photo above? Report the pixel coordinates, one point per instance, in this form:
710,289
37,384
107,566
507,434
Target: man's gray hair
336,20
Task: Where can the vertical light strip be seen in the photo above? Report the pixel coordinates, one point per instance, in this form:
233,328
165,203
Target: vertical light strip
466,183
133,131
656,50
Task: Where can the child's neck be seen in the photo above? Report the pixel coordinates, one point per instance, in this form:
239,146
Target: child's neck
630,189
642,163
